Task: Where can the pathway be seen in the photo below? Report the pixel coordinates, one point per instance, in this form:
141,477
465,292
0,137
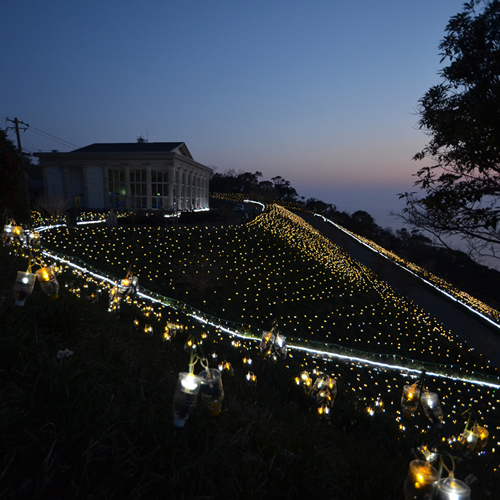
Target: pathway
474,332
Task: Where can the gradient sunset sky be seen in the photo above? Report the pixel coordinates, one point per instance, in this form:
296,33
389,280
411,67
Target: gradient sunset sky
323,93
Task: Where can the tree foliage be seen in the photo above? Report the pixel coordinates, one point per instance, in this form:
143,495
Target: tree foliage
277,188
462,117
12,193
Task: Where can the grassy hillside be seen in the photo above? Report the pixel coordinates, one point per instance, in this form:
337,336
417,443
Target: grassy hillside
98,422
275,268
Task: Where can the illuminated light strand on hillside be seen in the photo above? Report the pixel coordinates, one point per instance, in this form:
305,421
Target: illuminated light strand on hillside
391,310
79,268
197,235
361,381
46,228
387,255
460,297
256,202
83,222
289,345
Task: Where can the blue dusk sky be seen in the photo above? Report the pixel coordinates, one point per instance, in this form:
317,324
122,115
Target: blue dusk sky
322,93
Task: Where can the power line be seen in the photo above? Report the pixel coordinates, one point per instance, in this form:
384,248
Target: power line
44,134
54,138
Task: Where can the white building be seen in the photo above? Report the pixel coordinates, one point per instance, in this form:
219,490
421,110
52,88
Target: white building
140,175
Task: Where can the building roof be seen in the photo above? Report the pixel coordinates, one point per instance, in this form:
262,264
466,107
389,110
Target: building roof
122,151
135,147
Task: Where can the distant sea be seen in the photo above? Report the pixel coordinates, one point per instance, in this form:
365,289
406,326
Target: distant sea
379,202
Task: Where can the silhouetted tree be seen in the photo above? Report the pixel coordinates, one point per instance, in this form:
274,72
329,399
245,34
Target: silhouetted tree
12,187
462,117
318,206
284,189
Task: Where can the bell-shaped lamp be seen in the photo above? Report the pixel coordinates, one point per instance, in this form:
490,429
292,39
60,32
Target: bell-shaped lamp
48,281
453,489
410,399
212,391
432,408
23,286
280,346
267,342
421,481
185,397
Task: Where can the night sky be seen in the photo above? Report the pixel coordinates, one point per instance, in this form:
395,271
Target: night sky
323,93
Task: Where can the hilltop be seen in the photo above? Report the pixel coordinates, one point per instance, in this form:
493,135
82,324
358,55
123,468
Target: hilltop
101,417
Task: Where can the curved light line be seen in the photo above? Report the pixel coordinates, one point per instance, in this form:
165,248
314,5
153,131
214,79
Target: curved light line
455,299
291,346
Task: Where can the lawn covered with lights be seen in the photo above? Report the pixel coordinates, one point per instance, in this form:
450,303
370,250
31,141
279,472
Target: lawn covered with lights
102,415
275,268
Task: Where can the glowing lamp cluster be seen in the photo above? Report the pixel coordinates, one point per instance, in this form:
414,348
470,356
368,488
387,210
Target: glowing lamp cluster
12,233
273,344
323,390
25,282
226,366
474,439
130,285
126,288
413,396
189,386
170,331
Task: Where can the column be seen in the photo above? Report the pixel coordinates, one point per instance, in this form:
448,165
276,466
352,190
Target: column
86,193
66,186
149,190
184,188
126,170
189,180
106,187
171,180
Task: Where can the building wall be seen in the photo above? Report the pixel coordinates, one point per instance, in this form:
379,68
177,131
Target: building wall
53,181
94,187
74,179
88,183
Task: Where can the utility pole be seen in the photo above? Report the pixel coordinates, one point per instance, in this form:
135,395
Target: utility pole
16,123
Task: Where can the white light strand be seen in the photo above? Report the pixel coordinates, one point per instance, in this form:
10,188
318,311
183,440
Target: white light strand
291,346
455,299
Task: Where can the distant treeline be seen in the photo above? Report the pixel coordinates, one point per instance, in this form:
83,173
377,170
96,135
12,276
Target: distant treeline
453,266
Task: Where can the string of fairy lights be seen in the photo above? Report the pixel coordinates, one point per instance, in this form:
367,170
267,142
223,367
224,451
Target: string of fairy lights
354,307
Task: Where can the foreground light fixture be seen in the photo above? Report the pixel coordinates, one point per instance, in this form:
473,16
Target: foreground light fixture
432,408
453,489
474,439
11,233
185,397
130,285
23,287
482,438
48,281
212,391
226,366
410,399
280,346
267,342
421,481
